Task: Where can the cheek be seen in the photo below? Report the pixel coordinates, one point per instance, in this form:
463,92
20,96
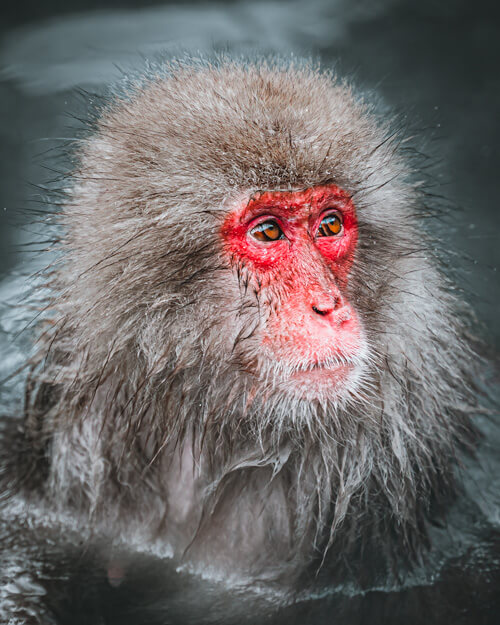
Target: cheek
266,262
339,254
284,265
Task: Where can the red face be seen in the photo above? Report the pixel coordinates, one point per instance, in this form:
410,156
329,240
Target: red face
297,249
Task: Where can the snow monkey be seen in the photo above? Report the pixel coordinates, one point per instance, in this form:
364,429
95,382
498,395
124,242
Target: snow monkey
250,357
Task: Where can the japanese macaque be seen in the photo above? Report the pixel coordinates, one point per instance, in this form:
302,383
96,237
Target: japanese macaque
250,360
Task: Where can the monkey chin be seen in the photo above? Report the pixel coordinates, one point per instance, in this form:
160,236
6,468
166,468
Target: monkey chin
320,382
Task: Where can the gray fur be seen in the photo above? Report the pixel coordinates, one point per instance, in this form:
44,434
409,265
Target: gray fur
141,407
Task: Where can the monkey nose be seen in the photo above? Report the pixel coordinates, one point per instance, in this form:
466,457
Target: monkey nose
322,310
325,306
336,314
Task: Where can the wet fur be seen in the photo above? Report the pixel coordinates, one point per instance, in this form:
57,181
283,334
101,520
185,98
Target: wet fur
140,407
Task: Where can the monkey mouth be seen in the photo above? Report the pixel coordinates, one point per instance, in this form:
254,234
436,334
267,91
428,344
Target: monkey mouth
320,378
319,370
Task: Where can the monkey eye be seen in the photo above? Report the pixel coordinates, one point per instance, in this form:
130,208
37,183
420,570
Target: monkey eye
267,231
330,226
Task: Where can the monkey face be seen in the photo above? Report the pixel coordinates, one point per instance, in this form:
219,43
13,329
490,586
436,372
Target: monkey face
296,249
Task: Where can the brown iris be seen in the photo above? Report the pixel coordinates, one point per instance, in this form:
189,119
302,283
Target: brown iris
330,226
267,231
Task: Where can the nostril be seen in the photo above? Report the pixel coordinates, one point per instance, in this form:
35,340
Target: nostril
322,311
326,305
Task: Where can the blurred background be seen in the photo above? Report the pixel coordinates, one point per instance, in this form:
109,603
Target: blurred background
435,63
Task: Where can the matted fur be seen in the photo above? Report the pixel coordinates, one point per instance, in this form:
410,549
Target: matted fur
145,413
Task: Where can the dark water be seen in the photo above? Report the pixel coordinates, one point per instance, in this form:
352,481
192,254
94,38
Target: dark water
436,64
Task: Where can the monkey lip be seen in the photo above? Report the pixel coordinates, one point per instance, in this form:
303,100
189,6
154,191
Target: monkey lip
321,376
